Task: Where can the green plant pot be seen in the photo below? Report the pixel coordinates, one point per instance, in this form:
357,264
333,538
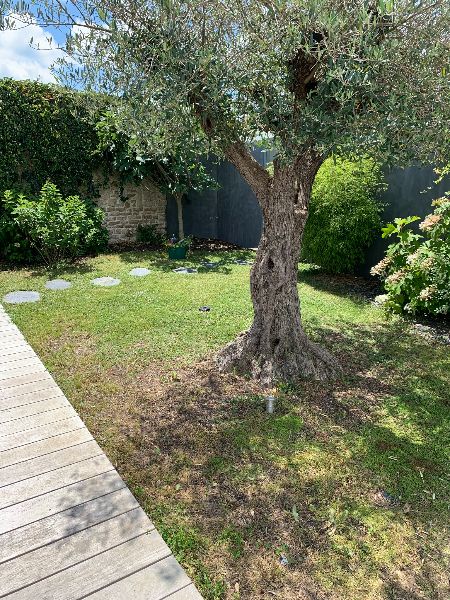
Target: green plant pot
177,253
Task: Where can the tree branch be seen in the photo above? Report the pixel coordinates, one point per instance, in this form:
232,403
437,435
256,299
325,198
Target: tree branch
237,153
254,174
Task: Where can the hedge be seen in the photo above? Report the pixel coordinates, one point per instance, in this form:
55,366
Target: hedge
47,133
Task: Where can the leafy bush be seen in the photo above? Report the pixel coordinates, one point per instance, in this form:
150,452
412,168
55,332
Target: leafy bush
15,248
50,228
344,214
416,268
150,235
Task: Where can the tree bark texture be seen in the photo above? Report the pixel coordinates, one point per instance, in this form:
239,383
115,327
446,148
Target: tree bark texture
179,199
276,348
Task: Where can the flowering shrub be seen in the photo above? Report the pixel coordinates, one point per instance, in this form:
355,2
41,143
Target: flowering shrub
416,268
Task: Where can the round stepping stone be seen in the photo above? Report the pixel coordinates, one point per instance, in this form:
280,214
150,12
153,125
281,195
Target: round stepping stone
242,262
210,265
58,284
105,281
21,297
185,270
139,272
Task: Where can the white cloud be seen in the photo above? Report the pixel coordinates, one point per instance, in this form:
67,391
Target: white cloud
20,61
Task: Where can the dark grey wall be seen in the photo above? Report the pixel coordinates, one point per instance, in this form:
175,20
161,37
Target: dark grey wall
200,213
410,191
232,213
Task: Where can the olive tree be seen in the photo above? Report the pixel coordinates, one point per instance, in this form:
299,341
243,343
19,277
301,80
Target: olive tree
310,77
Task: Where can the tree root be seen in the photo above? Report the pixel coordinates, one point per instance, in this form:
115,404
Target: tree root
288,360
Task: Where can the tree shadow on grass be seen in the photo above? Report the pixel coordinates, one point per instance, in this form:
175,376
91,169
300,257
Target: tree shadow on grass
78,268
340,285
368,446
202,260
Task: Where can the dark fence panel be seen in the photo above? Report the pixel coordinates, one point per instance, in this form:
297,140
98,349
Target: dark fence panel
200,213
410,191
239,214
232,213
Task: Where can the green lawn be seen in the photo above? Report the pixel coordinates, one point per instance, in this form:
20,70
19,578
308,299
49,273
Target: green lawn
348,480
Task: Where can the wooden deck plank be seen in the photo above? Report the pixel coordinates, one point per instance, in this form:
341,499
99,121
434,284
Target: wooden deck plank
49,504
69,526
17,356
54,480
37,420
36,434
22,371
104,569
18,363
9,339
14,456
34,408
154,582
27,393
8,326
49,462
55,557
12,383
10,345
187,593
65,523
7,322
7,350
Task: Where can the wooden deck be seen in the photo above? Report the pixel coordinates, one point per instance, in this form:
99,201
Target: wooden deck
69,526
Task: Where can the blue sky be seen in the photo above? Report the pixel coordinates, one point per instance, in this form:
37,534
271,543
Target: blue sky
20,61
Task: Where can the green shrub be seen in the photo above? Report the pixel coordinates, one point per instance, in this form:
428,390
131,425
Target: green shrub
416,268
150,235
49,229
15,248
344,214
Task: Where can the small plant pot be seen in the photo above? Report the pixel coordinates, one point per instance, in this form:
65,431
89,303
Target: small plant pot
177,253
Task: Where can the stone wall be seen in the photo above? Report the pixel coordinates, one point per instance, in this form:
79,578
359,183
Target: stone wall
142,204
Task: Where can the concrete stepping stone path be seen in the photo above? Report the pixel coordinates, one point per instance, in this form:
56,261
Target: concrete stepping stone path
21,297
58,284
105,281
139,272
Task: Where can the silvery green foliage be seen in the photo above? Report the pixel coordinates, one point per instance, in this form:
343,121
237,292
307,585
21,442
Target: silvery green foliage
342,76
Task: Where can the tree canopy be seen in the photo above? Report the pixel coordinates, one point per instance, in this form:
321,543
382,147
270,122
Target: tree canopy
355,76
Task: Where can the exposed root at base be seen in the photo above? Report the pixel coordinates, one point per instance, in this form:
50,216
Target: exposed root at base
285,362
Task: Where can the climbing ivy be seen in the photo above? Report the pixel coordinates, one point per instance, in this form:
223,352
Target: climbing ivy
51,133
48,133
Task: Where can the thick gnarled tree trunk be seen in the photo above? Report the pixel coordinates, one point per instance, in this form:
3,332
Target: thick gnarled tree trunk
276,347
